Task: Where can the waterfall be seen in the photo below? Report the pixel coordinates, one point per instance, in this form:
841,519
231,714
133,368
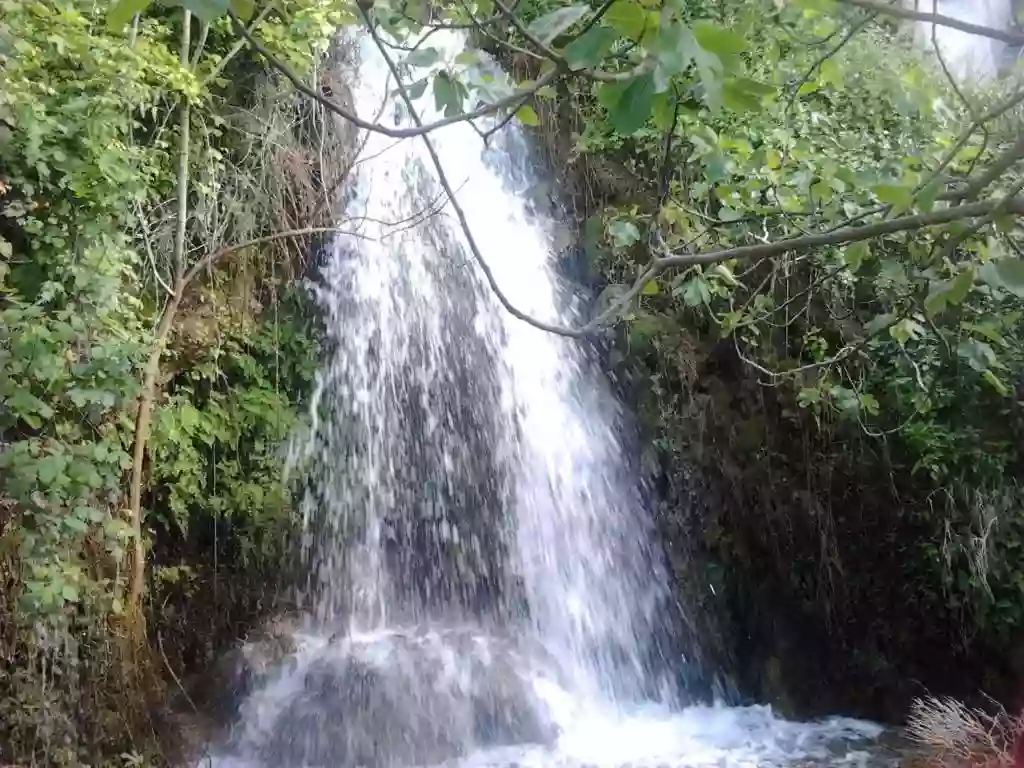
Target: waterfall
484,580
968,57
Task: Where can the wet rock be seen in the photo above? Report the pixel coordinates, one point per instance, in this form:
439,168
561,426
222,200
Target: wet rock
398,700
246,667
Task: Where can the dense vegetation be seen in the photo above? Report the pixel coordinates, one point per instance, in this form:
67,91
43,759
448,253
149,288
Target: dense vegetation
814,282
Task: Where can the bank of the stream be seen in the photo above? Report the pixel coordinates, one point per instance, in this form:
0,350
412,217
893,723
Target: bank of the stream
849,532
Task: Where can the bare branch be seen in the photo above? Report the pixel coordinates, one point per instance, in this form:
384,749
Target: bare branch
239,44
844,235
397,133
1002,164
1000,109
1012,38
853,31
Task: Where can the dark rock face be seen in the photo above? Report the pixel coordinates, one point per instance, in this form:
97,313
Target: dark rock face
395,699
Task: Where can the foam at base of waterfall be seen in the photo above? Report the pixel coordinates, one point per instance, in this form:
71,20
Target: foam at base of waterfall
434,677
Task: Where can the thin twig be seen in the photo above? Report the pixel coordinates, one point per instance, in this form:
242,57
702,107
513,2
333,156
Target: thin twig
397,133
897,10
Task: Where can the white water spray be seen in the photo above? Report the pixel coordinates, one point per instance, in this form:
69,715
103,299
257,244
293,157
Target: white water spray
969,57
484,585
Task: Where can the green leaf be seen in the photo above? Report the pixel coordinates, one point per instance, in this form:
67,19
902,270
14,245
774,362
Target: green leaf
926,197
651,288
243,8
634,105
1011,272
905,330
949,292
830,73
996,383
527,116
446,95
423,57
961,286
629,19
716,39
70,593
590,48
869,404
695,292
737,99
854,255
623,232
122,12
979,355
808,396
551,25
879,323
416,90
896,195
207,10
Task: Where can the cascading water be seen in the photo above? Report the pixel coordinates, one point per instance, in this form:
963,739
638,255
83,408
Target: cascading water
483,582
969,57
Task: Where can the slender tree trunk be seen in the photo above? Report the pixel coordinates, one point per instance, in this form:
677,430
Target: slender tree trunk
144,415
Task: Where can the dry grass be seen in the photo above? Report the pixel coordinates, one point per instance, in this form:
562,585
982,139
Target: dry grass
949,733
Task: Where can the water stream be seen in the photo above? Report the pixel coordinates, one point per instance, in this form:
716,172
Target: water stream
969,58
485,583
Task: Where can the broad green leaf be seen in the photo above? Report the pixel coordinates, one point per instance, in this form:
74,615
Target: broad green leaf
719,40
416,90
709,67
628,18
673,50
623,233
70,593
854,255
926,197
878,324
869,403
662,111
1011,272
446,95
423,57
979,355
830,73
808,396
122,12
737,99
961,286
243,8
527,116
947,292
904,330
551,25
207,10
996,383
651,288
1007,274
896,195
695,292
633,106
590,48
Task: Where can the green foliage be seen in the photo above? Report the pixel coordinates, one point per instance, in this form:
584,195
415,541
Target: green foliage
219,434
86,154
71,336
908,346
